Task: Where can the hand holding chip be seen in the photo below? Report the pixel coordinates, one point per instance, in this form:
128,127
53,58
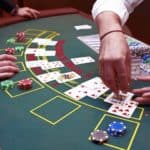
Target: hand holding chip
144,93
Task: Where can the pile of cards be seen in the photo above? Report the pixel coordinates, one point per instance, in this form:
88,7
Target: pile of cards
124,106
92,88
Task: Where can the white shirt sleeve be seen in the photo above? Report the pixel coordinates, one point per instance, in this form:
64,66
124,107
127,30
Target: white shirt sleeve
120,7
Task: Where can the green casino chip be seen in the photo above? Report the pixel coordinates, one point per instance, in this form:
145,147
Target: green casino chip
7,84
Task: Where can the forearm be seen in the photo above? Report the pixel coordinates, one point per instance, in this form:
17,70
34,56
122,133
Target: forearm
108,21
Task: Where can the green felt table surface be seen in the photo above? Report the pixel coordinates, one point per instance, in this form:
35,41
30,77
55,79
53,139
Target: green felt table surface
44,118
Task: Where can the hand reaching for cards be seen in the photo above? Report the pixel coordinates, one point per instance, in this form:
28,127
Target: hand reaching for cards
8,68
28,12
144,93
114,62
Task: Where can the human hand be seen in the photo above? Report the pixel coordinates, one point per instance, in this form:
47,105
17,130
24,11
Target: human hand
8,68
28,12
114,60
144,93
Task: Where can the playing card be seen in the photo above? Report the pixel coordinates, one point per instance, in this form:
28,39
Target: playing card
82,60
83,27
124,97
54,64
35,63
47,77
34,50
95,83
75,93
124,110
41,41
45,53
69,76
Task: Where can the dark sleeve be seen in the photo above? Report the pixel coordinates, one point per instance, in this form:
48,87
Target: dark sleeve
7,5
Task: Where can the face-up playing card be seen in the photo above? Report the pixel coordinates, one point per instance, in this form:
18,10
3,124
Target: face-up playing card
82,60
41,41
45,53
123,97
47,77
75,93
35,63
34,50
69,76
124,110
55,64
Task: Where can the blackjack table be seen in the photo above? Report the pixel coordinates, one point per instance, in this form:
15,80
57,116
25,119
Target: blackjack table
45,117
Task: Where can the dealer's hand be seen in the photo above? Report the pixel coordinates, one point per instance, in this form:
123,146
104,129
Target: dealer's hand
144,93
114,62
114,59
8,67
28,12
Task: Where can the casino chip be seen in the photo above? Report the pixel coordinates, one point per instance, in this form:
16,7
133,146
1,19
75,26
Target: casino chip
25,84
99,136
7,84
10,51
117,128
19,48
145,64
20,36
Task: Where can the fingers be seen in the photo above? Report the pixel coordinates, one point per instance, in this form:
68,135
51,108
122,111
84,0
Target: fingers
144,95
143,100
7,63
7,57
6,75
8,67
147,94
108,75
141,90
31,13
122,76
143,78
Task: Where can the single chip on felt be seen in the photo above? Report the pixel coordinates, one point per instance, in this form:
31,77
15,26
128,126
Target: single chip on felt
10,51
25,84
99,136
7,84
19,48
20,36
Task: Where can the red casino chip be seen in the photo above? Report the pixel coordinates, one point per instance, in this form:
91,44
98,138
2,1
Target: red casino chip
20,36
10,51
25,84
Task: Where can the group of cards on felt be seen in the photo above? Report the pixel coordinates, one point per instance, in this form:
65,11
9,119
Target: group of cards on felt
94,88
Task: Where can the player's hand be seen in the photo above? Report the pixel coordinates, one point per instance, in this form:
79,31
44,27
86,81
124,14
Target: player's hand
8,68
28,12
114,62
144,93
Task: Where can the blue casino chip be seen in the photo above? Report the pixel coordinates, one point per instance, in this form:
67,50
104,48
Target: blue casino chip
117,128
146,58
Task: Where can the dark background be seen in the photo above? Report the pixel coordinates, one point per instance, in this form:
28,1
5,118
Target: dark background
139,22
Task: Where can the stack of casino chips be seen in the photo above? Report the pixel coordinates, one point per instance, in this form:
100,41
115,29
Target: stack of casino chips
117,128
145,64
99,136
20,37
25,84
10,51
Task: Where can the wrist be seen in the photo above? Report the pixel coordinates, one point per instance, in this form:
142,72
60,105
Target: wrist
111,33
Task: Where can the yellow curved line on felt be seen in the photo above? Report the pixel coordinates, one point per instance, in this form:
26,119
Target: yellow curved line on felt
97,108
